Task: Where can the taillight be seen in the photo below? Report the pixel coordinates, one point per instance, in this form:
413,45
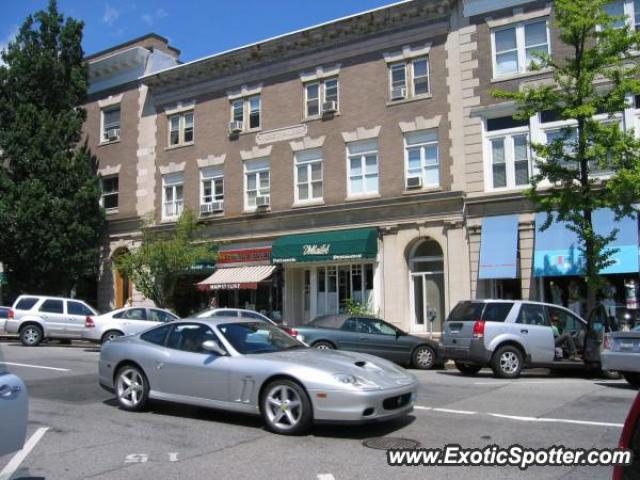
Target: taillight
291,331
11,315
478,328
89,323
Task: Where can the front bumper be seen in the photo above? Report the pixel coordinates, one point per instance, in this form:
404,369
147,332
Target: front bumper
475,352
362,406
620,361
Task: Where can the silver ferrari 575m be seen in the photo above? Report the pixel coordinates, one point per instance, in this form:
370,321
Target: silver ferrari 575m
253,367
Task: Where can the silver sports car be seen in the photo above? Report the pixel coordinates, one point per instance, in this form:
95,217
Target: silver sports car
253,367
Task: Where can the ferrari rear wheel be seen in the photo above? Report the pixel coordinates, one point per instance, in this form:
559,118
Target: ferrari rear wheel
286,408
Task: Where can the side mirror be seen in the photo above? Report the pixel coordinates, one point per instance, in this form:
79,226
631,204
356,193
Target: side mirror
213,347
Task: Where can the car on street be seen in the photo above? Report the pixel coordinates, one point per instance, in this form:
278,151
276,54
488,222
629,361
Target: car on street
124,321
368,334
630,439
37,317
251,366
621,353
14,407
242,313
4,313
509,335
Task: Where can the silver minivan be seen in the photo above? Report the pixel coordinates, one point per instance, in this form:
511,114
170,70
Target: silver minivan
509,335
36,317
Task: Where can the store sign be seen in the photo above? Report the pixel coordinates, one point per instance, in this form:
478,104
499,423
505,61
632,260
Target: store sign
244,256
316,249
234,286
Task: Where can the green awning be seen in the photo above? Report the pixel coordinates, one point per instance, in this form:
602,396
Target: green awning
326,246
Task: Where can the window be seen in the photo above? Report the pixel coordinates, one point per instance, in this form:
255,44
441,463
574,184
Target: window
339,284
566,322
181,129
532,314
247,111
190,337
109,198
496,312
173,196
630,8
212,185
111,124
156,336
52,306
77,308
26,303
317,94
256,183
509,158
422,159
308,175
410,79
514,47
160,316
134,314
362,161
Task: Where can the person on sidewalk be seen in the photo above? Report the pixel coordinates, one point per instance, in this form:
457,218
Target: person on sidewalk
564,338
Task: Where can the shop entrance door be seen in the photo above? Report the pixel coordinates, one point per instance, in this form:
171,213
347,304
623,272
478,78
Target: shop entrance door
428,296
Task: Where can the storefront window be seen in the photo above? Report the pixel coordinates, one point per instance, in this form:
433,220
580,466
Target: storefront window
338,284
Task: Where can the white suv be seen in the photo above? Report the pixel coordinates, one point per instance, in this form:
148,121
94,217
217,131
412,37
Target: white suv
36,317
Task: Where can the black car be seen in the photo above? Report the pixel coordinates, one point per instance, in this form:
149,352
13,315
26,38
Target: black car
368,334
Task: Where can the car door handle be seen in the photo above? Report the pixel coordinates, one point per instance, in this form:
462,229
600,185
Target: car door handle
7,392
362,338
524,330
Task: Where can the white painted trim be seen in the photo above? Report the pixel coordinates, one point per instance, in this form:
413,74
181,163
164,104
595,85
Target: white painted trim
180,107
172,168
420,123
256,152
110,101
244,91
361,133
320,73
407,53
307,143
211,161
519,16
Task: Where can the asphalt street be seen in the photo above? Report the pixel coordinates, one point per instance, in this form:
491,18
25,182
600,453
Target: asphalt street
83,435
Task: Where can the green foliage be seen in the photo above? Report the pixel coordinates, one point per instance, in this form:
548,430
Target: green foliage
353,307
50,219
593,79
154,267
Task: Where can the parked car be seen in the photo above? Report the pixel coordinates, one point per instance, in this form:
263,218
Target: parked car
4,313
621,353
252,366
14,406
123,321
36,317
509,335
630,438
243,313
368,334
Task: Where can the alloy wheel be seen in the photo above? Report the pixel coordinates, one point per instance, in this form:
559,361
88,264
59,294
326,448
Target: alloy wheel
323,346
111,336
31,335
130,387
283,407
424,357
509,362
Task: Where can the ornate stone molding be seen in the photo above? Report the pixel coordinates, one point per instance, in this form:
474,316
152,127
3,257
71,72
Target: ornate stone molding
307,143
420,123
320,73
110,101
180,107
256,152
109,170
211,161
361,133
407,53
244,91
172,168
281,134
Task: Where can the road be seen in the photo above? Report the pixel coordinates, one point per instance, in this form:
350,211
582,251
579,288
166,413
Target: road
88,437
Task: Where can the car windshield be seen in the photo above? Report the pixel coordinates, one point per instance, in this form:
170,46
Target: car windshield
258,337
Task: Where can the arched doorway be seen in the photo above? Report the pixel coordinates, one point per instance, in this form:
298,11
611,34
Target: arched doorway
123,287
426,267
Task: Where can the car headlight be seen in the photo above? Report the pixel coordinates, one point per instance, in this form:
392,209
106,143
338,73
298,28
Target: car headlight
354,380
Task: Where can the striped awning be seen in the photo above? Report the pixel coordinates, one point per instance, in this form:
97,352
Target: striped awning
237,278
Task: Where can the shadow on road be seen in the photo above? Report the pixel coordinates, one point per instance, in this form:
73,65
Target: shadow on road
618,385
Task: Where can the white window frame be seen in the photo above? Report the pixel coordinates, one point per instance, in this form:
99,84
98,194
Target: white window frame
363,163
322,96
423,159
259,172
103,126
520,46
308,163
629,10
181,128
507,135
115,193
246,112
204,178
409,77
178,205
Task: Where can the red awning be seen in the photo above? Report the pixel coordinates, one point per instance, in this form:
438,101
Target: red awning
237,278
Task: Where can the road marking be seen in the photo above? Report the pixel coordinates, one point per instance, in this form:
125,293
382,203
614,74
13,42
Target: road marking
326,476
522,419
36,366
11,467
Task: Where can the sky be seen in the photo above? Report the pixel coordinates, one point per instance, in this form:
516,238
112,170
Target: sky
196,27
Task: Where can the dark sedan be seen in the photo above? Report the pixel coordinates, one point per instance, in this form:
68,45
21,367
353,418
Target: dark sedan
365,334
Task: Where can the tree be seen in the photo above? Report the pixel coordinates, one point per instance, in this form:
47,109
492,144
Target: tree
594,79
50,218
156,264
